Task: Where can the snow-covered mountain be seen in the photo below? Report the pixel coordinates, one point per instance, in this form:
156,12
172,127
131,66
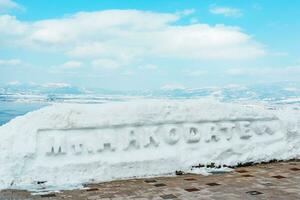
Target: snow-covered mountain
276,92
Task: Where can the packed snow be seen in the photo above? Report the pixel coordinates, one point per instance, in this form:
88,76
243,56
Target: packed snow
65,145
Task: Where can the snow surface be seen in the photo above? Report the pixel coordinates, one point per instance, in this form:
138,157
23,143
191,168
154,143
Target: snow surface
65,145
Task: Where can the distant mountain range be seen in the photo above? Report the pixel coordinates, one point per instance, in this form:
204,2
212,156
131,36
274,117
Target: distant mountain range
276,92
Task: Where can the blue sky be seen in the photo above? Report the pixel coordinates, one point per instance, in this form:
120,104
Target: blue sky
148,44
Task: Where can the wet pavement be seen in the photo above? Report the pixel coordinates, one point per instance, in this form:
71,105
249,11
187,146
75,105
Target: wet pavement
276,181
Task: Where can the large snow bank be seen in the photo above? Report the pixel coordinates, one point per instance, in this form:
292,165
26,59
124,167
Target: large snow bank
67,145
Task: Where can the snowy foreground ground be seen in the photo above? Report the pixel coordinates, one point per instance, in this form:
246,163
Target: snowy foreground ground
66,145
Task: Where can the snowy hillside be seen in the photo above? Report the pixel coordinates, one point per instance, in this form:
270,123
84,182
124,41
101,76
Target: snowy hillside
282,93
66,145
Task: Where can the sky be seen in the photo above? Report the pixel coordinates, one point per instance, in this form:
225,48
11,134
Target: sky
139,44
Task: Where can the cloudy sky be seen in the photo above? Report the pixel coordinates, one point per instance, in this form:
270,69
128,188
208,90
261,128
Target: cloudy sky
142,44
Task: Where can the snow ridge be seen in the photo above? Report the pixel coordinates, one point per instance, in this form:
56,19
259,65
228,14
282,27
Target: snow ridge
66,145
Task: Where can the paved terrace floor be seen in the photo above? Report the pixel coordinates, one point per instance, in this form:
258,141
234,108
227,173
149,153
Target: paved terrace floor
265,181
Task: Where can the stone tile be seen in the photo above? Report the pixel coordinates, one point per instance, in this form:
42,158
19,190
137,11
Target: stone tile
267,181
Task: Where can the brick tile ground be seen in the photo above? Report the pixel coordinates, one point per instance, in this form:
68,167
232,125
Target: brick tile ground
277,181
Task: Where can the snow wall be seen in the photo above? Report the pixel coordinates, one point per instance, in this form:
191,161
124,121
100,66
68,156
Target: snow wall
65,145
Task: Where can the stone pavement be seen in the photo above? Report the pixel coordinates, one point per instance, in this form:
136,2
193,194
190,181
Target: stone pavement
276,181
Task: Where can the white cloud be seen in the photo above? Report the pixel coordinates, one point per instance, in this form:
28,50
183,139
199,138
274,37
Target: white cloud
195,73
274,72
194,20
72,64
148,67
128,73
257,6
105,64
56,85
88,50
69,67
115,38
173,86
279,53
237,71
14,82
95,25
292,89
186,12
11,62
226,11
8,4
